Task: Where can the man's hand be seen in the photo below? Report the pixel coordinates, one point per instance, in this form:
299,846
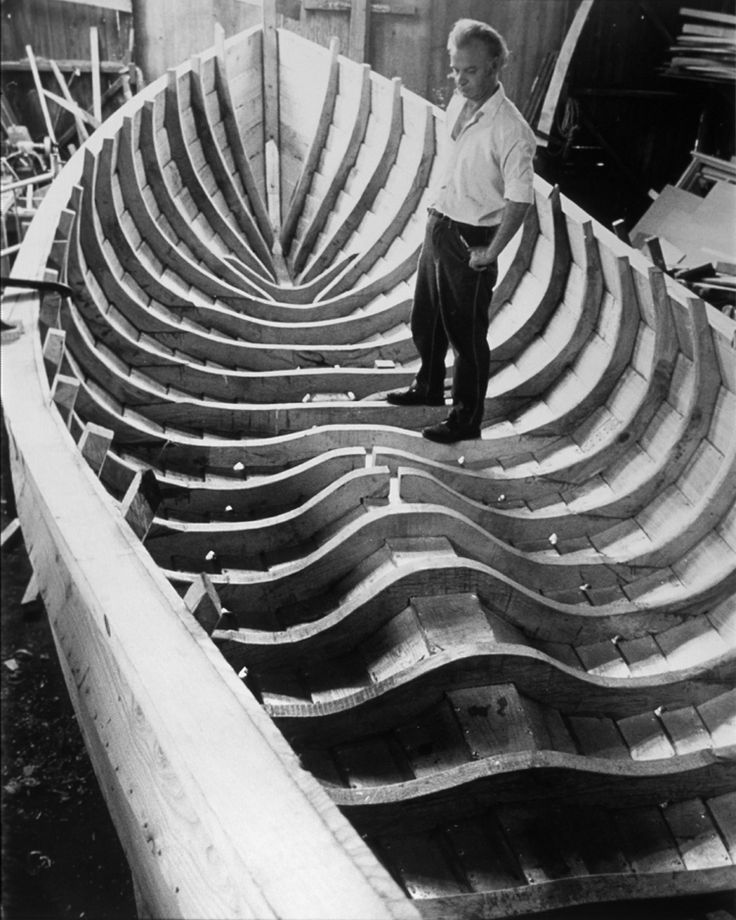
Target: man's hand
478,258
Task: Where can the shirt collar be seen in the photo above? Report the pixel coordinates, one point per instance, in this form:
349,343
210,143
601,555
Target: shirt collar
489,107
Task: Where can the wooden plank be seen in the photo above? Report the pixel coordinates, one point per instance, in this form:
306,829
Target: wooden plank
359,34
120,6
649,845
719,716
421,864
559,74
41,96
598,737
710,15
645,738
494,719
270,75
54,347
394,7
435,743
543,841
94,47
685,730
80,116
83,65
396,646
697,839
484,854
723,811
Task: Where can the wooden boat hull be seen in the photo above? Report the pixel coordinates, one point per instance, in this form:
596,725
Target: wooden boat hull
323,667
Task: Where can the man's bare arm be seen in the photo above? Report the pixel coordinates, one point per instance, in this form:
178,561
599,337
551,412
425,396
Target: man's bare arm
513,215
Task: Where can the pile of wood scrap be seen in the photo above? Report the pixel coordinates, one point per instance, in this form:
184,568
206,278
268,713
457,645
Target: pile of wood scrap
112,82
29,163
689,230
705,48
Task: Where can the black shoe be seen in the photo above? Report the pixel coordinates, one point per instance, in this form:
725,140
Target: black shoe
412,397
447,433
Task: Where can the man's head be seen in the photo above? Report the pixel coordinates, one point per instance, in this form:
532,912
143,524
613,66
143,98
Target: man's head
477,54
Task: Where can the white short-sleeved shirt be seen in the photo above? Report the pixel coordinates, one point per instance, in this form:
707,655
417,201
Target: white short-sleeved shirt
488,163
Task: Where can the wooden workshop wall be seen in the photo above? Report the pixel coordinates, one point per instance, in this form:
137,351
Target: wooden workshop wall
59,29
409,40
169,32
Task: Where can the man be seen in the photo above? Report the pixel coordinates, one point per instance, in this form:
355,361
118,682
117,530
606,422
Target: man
483,191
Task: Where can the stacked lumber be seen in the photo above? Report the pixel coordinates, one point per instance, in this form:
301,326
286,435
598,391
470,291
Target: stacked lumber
705,48
690,229
504,668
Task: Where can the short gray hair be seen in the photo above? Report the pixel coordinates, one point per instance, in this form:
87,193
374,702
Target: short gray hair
468,30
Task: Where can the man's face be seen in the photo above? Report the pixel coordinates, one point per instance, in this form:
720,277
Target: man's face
474,70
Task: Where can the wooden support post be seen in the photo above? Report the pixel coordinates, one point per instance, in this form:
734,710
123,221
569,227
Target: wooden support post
41,95
64,392
94,48
94,444
358,38
203,603
140,502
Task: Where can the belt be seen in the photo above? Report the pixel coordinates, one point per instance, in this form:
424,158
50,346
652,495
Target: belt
473,234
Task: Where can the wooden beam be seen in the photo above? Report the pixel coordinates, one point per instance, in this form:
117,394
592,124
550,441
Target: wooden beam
120,6
41,96
80,116
559,74
359,34
94,47
395,7
66,65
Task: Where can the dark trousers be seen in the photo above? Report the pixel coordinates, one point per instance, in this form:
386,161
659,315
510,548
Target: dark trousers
450,309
